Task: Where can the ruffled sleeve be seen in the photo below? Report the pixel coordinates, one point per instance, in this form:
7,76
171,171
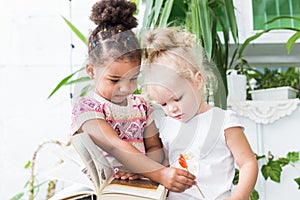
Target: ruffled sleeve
86,109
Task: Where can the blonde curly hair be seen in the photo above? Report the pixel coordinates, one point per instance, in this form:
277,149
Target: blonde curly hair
178,49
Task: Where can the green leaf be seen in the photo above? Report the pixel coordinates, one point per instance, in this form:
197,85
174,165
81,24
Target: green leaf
76,31
297,180
273,170
26,184
27,165
293,156
157,7
283,161
248,40
281,17
195,21
18,196
39,185
236,177
205,24
64,82
254,195
257,35
147,12
166,13
79,80
229,9
85,90
291,41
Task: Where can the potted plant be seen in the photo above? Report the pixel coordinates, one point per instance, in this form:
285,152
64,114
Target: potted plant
261,81
275,84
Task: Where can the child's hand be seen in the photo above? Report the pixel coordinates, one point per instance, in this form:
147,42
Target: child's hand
177,180
127,175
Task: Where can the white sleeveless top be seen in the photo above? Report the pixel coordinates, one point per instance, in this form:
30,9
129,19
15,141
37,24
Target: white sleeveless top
210,161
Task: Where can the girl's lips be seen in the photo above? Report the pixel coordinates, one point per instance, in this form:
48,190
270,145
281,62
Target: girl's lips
120,96
178,116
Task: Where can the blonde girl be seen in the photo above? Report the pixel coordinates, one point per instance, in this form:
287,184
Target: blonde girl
211,140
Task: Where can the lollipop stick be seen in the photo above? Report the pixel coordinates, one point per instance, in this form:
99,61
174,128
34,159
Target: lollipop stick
200,191
183,164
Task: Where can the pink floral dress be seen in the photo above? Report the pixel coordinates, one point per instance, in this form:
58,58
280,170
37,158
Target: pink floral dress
128,121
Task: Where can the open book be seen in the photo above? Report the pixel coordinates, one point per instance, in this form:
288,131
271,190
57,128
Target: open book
100,173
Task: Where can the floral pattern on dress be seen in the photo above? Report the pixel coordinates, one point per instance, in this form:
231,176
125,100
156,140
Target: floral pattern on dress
129,125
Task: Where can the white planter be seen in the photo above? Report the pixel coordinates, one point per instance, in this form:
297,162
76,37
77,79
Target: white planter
279,93
237,87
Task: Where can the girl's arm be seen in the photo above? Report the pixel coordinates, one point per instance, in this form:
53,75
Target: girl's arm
106,138
153,147
153,144
245,160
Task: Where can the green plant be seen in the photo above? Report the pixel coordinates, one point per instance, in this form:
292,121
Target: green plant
239,52
272,169
69,80
275,78
270,78
30,186
273,166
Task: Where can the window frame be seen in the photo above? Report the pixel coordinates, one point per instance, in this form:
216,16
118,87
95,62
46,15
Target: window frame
244,17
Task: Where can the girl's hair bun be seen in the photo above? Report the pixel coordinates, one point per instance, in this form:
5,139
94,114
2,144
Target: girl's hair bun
106,13
162,39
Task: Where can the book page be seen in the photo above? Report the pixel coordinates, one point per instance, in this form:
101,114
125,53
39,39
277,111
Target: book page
87,159
73,192
97,165
142,183
71,164
144,188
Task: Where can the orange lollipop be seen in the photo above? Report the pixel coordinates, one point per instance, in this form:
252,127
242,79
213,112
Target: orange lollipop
183,163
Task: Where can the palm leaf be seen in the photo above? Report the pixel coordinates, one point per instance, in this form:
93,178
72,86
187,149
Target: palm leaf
257,35
64,81
86,89
281,17
147,12
157,8
76,31
166,13
195,20
205,24
292,40
79,80
229,10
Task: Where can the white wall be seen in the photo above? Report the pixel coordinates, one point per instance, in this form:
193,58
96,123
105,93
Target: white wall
280,137
35,55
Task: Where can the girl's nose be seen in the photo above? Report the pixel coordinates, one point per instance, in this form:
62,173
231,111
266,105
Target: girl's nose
124,87
173,108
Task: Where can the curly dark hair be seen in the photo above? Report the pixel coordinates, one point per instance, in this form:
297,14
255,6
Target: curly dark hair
113,37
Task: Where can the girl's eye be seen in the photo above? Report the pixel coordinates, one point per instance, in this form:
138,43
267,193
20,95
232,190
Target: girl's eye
163,104
133,79
178,99
114,80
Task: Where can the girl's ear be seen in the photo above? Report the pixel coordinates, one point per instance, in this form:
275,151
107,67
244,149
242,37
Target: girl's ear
199,80
90,70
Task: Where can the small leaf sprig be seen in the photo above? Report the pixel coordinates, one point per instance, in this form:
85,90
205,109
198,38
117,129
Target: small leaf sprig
183,163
